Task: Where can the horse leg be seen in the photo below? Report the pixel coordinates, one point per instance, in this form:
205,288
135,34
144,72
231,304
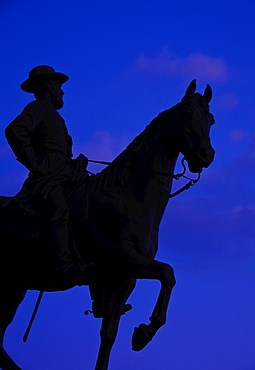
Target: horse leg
115,298
141,267
11,297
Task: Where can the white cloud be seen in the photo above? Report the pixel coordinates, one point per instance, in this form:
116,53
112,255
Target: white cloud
196,65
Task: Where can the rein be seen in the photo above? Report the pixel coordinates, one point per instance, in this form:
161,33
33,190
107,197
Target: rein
177,176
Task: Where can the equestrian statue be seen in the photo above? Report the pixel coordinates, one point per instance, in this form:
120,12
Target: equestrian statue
68,227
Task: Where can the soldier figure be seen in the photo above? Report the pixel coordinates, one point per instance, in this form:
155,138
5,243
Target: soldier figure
40,141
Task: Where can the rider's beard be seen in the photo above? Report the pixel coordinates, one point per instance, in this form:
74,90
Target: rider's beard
57,101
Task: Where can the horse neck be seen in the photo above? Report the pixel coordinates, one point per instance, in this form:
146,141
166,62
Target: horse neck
155,149
159,165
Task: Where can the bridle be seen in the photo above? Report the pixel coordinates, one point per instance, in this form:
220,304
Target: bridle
177,176
192,182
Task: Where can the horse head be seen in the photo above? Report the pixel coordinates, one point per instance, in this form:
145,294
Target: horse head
196,124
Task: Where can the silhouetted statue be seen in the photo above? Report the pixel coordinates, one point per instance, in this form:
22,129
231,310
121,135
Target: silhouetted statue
40,141
115,218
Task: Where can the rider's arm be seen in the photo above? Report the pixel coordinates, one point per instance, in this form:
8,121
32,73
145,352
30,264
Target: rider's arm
18,134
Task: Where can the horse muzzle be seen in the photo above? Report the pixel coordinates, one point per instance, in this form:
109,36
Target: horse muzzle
201,159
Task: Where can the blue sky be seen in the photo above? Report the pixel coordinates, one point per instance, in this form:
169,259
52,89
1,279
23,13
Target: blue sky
127,61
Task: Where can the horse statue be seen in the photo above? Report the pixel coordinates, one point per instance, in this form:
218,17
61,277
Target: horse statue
115,221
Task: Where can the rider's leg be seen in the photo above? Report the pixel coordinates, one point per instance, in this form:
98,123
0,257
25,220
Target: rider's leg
67,260
58,217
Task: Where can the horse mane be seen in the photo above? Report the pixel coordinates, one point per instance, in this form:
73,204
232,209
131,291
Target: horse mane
157,125
152,130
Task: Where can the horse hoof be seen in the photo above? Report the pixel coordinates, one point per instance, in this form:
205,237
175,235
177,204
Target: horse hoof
141,337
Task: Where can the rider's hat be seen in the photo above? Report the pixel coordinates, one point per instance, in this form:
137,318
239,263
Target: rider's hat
39,74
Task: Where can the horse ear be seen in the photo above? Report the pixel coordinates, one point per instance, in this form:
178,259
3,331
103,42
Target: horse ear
208,93
191,89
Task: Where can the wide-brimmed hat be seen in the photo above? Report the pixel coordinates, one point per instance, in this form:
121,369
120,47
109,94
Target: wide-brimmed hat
39,74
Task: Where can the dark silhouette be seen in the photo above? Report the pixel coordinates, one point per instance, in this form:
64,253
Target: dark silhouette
40,141
115,217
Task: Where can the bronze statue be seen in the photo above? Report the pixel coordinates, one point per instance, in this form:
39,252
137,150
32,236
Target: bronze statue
115,218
